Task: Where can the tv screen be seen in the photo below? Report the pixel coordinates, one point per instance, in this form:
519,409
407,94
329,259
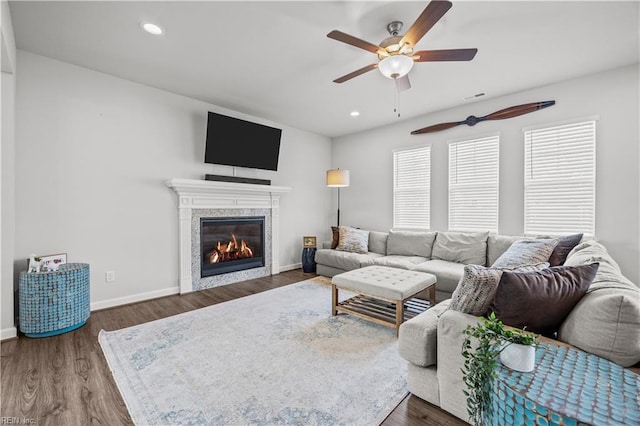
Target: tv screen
235,142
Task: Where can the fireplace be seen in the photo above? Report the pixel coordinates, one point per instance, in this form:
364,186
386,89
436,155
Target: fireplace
231,244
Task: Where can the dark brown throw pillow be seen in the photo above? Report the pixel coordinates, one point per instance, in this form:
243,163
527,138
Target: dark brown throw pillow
335,237
565,245
541,300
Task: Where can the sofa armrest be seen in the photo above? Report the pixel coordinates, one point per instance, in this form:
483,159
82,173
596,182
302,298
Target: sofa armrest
450,361
417,338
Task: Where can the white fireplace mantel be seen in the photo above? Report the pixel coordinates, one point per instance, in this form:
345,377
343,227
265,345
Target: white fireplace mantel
203,194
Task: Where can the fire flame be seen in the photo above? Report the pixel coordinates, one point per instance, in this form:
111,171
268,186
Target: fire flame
230,251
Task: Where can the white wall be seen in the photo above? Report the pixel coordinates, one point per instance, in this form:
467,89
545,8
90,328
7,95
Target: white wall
93,153
613,96
7,218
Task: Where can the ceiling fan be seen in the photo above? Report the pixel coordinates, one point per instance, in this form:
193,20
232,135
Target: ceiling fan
395,53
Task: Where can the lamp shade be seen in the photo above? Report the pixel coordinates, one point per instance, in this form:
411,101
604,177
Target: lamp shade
337,178
395,66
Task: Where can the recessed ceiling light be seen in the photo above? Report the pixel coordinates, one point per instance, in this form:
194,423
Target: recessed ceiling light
354,113
152,28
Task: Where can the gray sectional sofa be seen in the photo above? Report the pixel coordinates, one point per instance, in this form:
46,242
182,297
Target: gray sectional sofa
605,322
442,254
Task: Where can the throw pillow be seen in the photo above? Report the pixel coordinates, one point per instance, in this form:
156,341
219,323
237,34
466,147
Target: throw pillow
410,243
526,252
498,244
477,287
565,245
461,247
335,234
353,240
541,300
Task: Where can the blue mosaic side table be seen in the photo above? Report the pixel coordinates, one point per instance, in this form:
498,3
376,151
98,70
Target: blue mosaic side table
567,387
55,302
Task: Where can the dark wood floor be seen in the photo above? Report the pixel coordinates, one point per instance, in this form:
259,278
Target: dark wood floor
65,380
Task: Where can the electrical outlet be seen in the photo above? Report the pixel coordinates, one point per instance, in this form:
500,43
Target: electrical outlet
110,276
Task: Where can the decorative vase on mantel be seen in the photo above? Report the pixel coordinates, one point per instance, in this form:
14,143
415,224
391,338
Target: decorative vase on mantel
519,357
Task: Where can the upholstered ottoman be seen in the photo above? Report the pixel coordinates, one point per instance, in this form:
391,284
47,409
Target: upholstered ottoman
383,294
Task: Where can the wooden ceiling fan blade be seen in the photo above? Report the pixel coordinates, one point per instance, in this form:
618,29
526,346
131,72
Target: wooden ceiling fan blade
427,19
437,127
403,83
444,55
354,41
355,73
517,110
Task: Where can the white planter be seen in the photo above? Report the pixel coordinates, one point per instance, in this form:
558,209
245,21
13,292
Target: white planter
519,357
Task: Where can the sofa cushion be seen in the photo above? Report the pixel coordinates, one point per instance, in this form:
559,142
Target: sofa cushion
541,300
461,247
378,242
607,319
498,244
608,275
526,252
353,240
408,243
448,273
561,251
342,259
417,338
606,323
401,262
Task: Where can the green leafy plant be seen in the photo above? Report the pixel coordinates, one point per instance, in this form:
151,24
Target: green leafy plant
481,360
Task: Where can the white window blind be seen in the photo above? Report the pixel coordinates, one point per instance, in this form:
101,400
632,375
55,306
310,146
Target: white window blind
473,184
411,188
560,177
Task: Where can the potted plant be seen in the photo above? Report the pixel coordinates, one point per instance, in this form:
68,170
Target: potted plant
480,362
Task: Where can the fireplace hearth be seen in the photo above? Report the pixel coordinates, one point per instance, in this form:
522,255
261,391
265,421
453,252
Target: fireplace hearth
231,244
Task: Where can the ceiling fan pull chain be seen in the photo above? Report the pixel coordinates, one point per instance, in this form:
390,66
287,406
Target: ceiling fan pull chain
396,101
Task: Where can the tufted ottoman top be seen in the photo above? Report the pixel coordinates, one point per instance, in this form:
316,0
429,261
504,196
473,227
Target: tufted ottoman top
384,282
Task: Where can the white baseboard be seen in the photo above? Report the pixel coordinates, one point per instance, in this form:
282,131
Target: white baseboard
286,268
140,297
8,333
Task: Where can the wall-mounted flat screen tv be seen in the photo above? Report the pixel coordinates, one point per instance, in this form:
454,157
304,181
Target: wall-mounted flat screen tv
235,142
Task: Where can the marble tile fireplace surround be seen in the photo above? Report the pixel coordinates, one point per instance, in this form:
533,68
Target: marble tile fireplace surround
198,199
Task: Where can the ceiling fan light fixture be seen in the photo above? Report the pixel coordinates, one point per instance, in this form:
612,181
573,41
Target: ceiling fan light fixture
395,66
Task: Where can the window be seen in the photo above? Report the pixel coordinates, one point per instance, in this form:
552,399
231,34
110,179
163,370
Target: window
411,188
559,180
473,184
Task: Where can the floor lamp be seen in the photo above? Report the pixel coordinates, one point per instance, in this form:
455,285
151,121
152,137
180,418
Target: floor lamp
337,178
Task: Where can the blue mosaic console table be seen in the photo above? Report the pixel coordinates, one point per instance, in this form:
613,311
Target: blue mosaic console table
567,387
54,302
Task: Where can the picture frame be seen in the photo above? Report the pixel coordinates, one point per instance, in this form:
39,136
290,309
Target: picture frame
53,261
309,241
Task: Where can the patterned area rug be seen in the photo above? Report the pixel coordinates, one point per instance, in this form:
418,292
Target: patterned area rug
276,357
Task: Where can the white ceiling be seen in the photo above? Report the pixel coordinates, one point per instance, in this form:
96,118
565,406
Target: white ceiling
273,59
